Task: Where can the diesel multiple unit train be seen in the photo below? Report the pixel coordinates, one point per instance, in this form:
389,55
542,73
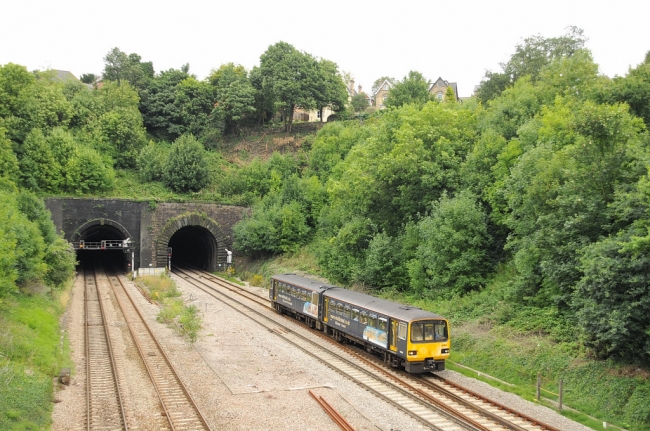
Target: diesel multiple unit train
403,336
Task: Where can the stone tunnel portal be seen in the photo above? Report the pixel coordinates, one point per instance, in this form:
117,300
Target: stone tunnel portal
101,232
196,246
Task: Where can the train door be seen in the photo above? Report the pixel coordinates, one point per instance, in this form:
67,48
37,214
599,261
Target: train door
393,335
272,293
326,310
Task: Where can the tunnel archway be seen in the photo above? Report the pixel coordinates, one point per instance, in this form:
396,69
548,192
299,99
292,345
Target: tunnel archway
195,239
194,245
99,230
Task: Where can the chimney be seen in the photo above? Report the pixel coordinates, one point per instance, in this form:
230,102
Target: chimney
352,86
359,88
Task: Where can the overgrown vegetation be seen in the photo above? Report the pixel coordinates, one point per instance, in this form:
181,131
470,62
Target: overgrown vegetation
522,213
185,319
32,352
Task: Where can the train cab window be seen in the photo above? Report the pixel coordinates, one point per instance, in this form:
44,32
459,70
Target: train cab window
347,312
372,320
416,332
401,333
440,329
429,331
355,314
383,324
364,317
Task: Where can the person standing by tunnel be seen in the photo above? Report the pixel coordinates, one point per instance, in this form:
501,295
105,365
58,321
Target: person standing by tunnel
228,258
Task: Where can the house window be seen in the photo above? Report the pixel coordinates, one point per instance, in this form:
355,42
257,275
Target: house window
318,114
439,95
386,87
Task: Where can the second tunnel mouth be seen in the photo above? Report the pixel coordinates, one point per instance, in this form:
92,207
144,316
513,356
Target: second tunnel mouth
195,246
110,258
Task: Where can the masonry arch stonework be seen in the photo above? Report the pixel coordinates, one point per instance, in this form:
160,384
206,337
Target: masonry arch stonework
81,230
192,219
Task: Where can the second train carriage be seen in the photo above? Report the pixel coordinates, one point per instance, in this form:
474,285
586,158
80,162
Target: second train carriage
404,336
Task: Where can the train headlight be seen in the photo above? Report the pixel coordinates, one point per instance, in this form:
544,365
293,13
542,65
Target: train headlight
444,351
413,352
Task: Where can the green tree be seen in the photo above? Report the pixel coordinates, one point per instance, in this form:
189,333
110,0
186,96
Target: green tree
39,169
450,95
612,297
633,89
151,161
87,173
186,168
530,57
452,253
120,67
123,135
88,78
359,102
8,160
292,77
331,91
413,89
157,104
235,95
194,101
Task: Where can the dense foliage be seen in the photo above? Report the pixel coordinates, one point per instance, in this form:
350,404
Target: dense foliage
550,178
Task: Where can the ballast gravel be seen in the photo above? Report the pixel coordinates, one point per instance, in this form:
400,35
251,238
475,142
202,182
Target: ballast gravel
244,377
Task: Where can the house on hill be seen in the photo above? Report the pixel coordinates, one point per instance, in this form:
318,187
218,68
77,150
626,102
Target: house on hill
381,94
439,88
64,77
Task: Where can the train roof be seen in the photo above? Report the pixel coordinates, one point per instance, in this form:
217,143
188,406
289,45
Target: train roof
304,282
381,306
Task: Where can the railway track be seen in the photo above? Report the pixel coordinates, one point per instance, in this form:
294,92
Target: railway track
179,411
104,407
179,406
473,409
351,366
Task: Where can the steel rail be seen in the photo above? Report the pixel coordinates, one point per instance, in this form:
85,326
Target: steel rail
336,416
109,348
152,337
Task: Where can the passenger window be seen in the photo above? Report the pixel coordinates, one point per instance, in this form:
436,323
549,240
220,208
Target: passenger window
304,296
402,331
416,332
383,324
339,308
347,311
364,317
355,314
372,321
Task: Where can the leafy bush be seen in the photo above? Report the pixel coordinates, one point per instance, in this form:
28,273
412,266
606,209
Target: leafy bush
87,173
186,169
452,252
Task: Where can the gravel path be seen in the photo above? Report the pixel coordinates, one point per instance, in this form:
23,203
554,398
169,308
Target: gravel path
245,378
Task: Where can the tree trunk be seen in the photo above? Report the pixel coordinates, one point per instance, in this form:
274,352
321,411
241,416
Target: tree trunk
291,108
321,114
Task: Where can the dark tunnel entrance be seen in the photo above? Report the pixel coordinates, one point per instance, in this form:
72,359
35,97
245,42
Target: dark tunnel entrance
114,258
194,245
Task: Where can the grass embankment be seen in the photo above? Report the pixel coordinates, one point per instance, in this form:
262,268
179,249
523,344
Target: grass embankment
514,344
32,353
184,319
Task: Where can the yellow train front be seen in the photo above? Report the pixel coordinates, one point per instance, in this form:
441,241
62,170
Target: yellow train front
402,336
